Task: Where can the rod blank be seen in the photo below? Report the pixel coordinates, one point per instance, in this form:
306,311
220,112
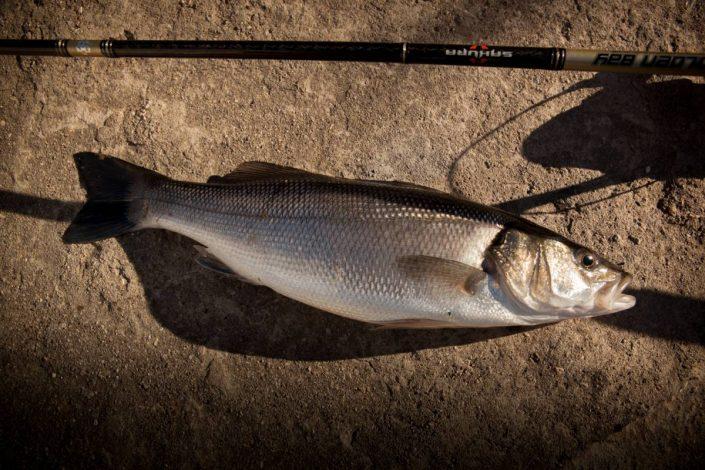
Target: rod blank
480,55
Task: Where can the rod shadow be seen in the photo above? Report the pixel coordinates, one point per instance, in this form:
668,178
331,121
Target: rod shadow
221,313
631,128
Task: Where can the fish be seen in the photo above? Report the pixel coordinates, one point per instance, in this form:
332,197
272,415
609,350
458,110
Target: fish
393,254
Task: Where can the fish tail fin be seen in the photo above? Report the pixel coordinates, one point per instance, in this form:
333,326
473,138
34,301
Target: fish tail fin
116,202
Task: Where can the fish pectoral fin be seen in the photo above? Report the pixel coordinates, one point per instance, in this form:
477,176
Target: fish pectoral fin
415,323
442,272
262,171
206,260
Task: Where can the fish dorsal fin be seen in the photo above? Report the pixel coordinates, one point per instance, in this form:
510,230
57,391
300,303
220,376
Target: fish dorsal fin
207,260
442,273
263,171
403,184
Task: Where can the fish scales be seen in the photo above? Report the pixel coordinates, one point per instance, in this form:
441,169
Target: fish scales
331,245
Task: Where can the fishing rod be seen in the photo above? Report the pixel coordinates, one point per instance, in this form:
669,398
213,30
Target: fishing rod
479,54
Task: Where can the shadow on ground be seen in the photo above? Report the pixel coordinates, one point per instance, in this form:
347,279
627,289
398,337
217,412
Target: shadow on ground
622,130
629,129
218,312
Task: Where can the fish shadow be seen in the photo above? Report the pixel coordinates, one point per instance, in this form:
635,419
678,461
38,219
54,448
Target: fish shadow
221,313
662,315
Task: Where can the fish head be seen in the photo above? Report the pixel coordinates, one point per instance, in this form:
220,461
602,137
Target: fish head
550,277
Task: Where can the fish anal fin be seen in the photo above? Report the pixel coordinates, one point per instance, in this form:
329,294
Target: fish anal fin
442,272
207,260
416,324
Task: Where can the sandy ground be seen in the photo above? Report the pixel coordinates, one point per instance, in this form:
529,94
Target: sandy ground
125,353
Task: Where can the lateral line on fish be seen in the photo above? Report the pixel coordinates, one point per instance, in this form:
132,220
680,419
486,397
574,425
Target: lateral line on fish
434,217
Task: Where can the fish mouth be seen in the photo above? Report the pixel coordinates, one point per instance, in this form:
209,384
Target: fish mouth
615,298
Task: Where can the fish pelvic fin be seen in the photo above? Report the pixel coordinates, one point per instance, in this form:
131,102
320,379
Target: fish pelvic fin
116,203
208,260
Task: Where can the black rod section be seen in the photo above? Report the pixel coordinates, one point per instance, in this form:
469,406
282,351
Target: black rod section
43,47
478,55
277,50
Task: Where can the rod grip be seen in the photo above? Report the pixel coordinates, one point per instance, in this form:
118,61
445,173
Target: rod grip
635,62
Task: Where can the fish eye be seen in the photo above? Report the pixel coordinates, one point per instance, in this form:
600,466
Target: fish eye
586,259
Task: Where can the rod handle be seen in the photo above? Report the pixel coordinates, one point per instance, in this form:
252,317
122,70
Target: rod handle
635,62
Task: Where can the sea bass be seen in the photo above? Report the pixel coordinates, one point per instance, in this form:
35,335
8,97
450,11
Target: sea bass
389,253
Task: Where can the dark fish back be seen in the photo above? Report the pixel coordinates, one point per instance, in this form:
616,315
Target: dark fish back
333,199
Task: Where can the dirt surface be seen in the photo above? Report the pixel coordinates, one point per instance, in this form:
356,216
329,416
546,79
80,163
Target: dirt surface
125,353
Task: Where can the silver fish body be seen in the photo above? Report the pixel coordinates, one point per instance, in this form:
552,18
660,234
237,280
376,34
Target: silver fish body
393,254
